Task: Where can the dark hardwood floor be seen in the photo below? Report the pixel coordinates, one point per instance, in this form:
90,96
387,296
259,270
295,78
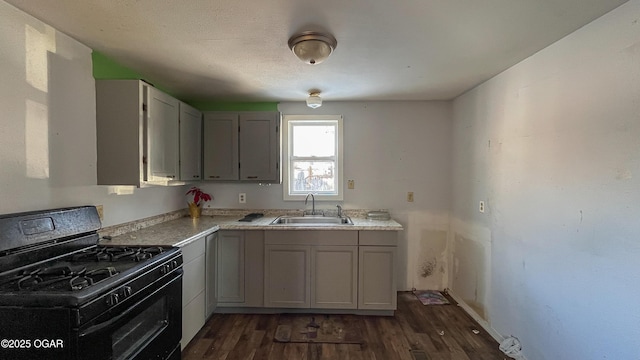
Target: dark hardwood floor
442,332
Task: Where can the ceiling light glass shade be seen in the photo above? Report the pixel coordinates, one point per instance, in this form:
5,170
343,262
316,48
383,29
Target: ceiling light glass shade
314,100
312,47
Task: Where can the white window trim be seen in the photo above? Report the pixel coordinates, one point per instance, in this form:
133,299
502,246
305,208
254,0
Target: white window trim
285,155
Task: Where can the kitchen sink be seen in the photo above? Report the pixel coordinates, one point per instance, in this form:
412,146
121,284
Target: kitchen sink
312,220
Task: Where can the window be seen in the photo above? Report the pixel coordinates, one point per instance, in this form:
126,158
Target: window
313,157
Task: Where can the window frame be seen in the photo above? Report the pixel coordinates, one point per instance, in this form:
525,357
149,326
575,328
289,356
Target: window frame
290,120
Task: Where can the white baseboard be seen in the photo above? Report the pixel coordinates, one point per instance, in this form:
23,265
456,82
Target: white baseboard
485,325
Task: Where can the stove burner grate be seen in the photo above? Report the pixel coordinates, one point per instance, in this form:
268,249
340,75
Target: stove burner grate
115,254
58,277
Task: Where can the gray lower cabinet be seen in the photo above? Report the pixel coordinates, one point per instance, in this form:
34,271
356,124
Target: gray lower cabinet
377,289
311,269
306,269
230,267
286,269
240,267
287,276
334,277
193,289
211,250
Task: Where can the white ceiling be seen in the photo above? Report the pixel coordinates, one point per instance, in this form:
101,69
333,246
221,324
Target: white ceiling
236,50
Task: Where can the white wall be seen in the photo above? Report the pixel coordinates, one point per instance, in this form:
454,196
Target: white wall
390,148
48,130
48,156
553,146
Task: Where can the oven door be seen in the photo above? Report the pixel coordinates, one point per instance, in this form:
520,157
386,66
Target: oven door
148,327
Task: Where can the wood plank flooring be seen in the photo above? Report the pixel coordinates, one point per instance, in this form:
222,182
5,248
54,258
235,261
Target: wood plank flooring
442,332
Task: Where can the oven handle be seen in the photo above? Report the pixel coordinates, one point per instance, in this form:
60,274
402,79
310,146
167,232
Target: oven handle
110,322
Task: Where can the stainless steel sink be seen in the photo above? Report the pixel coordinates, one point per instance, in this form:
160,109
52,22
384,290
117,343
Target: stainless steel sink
312,220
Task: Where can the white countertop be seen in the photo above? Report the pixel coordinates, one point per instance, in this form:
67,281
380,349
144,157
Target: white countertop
181,231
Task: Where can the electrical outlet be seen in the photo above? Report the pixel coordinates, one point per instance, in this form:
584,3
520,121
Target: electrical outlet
351,184
242,198
481,207
410,196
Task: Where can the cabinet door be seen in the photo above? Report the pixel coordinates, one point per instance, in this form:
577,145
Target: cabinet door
230,267
259,146
334,277
193,276
193,289
190,143
192,319
162,136
211,242
376,280
254,268
119,128
220,144
287,276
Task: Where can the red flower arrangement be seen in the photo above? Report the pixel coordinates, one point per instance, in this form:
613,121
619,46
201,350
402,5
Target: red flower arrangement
198,195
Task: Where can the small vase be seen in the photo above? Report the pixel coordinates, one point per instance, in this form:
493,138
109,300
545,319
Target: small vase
194,210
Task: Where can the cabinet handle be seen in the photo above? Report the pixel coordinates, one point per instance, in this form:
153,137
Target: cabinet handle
252,177
214,176
171,176
196,176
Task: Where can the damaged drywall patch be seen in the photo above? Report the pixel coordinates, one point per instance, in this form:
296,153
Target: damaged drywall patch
427,237
470,275
428,266
431,263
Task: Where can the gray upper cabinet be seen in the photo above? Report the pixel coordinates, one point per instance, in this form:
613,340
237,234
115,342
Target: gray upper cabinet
190,143
242,146
259,146
220,146
137,133
162,137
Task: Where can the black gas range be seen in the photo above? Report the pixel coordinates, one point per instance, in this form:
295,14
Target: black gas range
63,296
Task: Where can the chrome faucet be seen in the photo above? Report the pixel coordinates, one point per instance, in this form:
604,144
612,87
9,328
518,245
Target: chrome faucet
339,211
313,203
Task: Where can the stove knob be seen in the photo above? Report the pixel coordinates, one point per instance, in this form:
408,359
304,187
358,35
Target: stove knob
127,291
113,299
174,264
165,269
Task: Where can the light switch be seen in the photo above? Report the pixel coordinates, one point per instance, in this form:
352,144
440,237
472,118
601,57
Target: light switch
351,184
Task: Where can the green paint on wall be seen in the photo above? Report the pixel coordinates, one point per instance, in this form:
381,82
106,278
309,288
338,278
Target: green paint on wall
234,106
106,68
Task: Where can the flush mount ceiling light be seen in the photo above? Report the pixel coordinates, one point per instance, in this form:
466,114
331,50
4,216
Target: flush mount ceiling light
314,100
312,47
